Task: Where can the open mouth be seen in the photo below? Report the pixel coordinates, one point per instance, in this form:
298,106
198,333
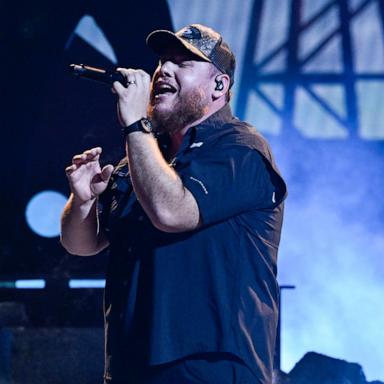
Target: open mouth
162,88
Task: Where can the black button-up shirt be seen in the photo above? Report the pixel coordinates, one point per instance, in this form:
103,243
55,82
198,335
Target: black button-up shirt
170,295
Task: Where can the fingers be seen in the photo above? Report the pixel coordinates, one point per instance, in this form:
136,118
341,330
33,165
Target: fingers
69,170
133,98
83,158
134,75
118,88
136,79
106,173
87,156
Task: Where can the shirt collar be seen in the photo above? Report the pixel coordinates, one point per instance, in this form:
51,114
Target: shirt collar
217,120
196,135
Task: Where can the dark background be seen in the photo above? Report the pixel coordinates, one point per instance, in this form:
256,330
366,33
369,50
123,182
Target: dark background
48,116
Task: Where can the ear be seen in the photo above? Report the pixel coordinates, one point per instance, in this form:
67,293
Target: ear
220,86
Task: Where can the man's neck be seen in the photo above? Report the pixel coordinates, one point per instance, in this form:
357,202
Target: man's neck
176,140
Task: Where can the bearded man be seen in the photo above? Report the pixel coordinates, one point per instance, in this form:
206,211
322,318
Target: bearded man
192,217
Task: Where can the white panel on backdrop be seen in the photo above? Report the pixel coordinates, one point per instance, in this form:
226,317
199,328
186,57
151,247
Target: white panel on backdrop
272,35
321,54
323,125
316,32
333,95
371,124
261,112
371,109
90,32
311,8
371,41
327,60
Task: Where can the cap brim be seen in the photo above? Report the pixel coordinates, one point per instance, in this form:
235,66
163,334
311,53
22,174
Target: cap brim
162,40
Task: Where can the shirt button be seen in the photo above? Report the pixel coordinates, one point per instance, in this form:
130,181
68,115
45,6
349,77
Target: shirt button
140,218
129,249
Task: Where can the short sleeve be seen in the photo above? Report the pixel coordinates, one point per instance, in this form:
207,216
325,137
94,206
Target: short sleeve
229,183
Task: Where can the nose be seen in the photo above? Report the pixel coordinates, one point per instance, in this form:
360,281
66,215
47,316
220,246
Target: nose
166,68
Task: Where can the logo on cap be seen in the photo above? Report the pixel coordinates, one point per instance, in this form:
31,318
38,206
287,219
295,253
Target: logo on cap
191,33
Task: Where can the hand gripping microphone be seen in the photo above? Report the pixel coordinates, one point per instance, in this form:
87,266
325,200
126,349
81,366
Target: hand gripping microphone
97,74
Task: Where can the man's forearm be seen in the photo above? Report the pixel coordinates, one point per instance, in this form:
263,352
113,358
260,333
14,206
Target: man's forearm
159,189
80,233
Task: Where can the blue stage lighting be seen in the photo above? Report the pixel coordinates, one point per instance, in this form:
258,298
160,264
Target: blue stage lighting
43,213
86,283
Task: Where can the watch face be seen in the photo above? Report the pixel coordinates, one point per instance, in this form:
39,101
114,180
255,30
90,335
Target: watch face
147,125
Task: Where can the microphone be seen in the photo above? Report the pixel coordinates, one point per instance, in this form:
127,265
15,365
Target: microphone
96,74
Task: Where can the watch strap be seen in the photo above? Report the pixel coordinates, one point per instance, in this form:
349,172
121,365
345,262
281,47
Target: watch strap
137,126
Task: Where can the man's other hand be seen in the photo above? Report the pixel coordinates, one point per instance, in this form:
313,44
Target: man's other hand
86,178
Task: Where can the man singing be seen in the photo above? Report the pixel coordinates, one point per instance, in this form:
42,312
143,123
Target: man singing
192,216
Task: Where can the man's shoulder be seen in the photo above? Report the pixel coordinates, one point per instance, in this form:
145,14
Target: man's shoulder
240,134
240,130
223,127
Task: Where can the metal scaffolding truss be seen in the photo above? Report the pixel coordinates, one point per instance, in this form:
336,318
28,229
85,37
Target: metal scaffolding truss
294,75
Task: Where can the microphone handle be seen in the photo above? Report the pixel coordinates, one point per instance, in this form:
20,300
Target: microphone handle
96,74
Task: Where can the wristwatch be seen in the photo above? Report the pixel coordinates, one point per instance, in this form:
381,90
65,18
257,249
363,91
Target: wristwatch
142,125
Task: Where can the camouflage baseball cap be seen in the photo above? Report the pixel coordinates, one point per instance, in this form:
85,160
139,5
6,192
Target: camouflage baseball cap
202,41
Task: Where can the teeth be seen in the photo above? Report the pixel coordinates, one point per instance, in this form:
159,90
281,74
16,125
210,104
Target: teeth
164,88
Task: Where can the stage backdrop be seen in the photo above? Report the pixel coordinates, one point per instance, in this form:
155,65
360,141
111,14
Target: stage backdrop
310,77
